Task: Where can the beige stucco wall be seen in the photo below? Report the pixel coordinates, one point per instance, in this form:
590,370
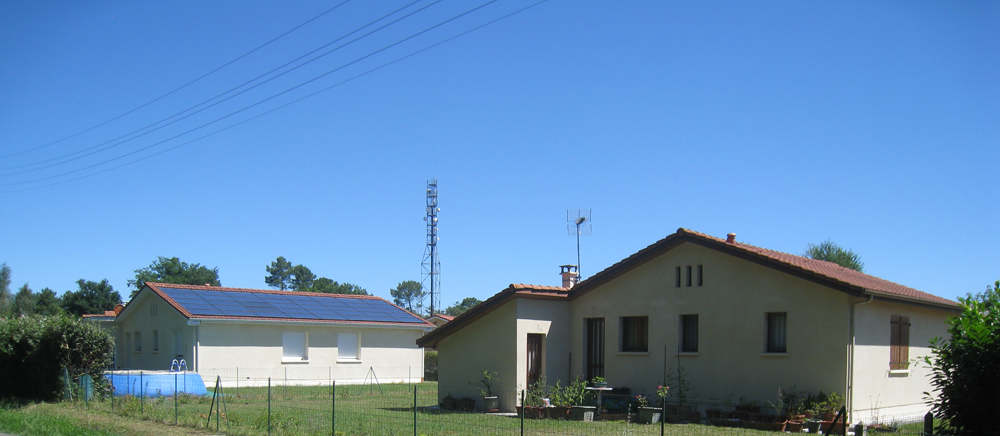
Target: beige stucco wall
875,386
489,343
176,338
732,306
552,319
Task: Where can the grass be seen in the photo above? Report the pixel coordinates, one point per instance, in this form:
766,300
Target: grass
360,410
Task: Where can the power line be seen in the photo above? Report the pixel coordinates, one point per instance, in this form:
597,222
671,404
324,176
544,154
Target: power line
365,73
180,87
68,158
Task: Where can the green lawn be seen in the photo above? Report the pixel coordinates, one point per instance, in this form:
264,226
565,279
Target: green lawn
360,410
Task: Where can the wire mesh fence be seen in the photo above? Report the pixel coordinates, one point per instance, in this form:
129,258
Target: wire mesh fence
262,402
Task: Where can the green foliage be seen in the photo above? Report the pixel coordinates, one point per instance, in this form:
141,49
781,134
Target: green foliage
831,252
47,303
431,365
964,368
327,286
24,302
279,273
486,383
5,297
409,295
461,307
301,278
34,351
91,297
172,270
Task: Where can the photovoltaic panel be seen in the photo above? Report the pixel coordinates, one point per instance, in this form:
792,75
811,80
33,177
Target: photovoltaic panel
221,302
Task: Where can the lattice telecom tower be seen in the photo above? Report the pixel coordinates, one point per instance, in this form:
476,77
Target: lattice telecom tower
430,268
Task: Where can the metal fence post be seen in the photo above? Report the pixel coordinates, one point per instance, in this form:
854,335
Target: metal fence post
928,424
414,411
269,406
333,409
237,382
142,400
286,382
175,398
522,412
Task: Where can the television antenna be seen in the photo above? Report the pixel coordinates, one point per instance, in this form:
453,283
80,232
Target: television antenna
578,223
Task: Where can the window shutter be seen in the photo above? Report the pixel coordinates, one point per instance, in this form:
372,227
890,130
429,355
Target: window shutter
904,342
894,348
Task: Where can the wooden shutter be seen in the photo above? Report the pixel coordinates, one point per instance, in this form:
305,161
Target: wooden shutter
899,342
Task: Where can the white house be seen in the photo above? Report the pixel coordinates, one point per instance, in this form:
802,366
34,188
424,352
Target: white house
267,333
741,320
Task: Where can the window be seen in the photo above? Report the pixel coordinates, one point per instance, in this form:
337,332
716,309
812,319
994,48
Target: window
634,335
689,333
777,328
152,309
699,275
678,277
128,341
899,342
595,347
156,341
138,342
347,347
689,276
294,347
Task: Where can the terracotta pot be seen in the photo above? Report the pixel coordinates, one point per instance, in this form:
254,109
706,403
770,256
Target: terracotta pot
778,426
794,427
809,414
836,428
558,412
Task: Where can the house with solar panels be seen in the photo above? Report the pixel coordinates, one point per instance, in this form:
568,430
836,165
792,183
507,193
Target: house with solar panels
248,335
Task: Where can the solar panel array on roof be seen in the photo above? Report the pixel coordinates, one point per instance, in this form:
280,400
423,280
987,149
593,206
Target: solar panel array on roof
267,305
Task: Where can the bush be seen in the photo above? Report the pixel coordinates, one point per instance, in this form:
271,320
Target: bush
34,351
965,375
430,365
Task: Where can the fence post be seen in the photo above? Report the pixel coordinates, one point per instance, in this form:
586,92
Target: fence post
929,424
333,410
175,398
286,382
414,411
142,399
522,412
237,382
269,406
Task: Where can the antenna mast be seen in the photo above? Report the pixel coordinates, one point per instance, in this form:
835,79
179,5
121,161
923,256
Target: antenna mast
578,224
431,266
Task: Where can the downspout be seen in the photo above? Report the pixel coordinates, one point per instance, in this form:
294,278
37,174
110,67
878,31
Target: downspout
850,357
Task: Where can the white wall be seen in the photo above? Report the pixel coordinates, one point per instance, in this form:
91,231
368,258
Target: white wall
549,318
138,317
489,343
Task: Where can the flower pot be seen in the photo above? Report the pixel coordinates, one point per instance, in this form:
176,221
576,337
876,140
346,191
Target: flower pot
581,413
491,404
778,426
797,418
466,404
812,426
711,414
794,426
649,415
827,428
558,412
809,414
600,384
532,412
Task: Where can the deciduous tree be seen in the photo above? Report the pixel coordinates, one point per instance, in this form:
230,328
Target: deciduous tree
172,270
91,297
461,307
831,252
24,302
5,298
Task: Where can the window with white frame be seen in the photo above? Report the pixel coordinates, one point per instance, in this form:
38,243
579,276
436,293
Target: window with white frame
347,347
294,347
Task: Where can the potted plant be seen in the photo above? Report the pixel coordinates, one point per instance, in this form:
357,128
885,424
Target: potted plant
647,415
560,402
575,395
599,382
534,400
490,402
449,402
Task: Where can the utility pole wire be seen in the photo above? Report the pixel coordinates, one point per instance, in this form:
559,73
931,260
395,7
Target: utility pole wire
180,87
281,106
150,126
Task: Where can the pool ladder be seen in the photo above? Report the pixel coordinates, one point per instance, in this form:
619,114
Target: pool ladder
178,366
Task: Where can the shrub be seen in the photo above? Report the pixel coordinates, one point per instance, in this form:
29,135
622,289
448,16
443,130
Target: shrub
35,350
964,368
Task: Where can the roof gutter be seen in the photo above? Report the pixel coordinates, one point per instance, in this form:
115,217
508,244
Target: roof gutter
317,323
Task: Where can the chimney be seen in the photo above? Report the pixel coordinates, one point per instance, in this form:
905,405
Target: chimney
731,238
118,308
569,275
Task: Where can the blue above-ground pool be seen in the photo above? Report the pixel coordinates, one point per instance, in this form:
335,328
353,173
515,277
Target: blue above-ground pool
155,383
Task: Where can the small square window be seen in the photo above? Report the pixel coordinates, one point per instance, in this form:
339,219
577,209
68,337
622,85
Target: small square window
777,327
294,347
635,333
347,347
689,333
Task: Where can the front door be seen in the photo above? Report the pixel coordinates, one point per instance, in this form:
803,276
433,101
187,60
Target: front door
595,348
534,358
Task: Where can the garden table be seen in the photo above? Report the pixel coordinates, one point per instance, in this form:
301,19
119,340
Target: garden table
600,393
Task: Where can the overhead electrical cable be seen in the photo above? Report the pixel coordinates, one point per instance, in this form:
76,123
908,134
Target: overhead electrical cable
180,87
365,73
151,128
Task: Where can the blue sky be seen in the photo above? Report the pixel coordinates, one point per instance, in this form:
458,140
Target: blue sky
874,124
